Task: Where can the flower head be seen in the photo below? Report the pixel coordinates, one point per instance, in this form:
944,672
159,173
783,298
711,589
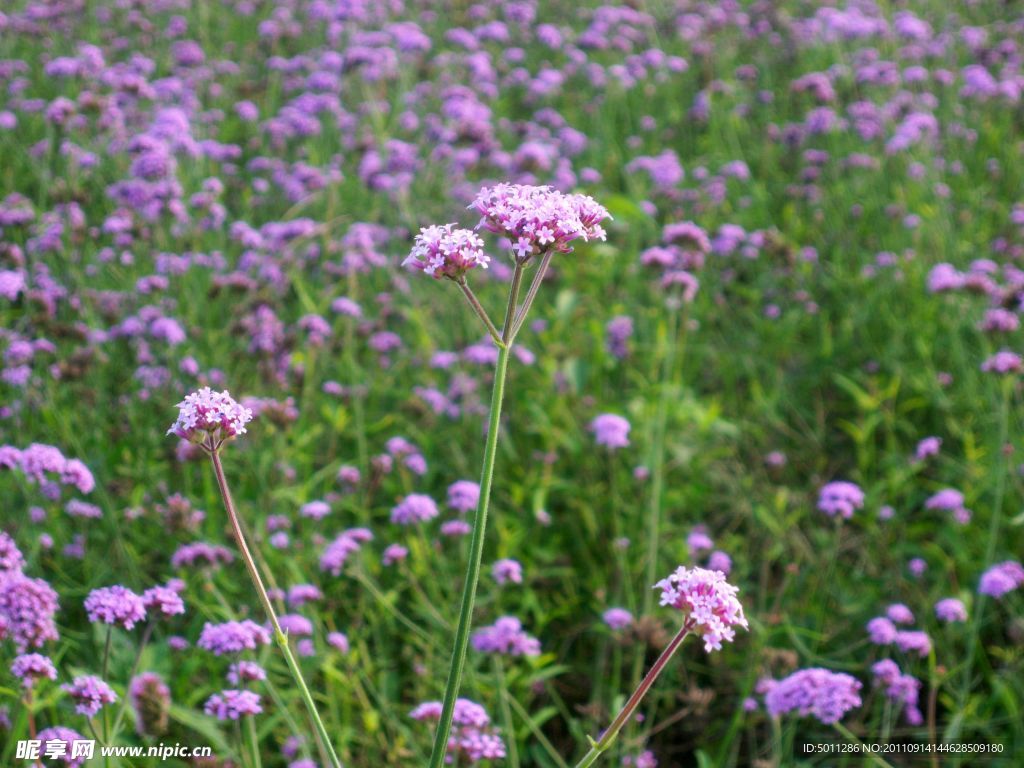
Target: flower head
539,219
472,738
233,704
610,430
840,498
950,609
57,740
709,602
506,636
151,699
210,418
414,508
817,692
1001,578
115,605
30,667
27,607
442,251
90,694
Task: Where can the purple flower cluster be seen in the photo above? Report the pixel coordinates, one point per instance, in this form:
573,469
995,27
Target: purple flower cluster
902,689
708,602
46,465
90,694
27,608
337,553
115,605
539,219
815,692
414,508
950,610
506,636
507,571
232,637
447,252
840,498
233,704
951,500
31,667
610,430
1001,578
210,418
472,739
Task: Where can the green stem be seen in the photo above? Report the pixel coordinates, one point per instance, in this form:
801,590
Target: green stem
474,302
279,635
990,549
606,740
506,712
458,660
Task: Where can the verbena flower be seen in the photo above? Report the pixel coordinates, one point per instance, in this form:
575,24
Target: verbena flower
443,251
902,689
210,418
414,508
815,692
232,637
90,694
463,495
840,498
900,614
151,700
539,219
507,570
242,672
506,636
472,739
11,559
115,605
617,618
32,667
1001,578
708,602
233,704
59,739
950,610
163,601
610,430
27,607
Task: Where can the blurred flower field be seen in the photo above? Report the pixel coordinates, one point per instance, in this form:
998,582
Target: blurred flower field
761,385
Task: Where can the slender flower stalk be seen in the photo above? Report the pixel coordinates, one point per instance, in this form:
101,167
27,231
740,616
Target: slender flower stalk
211,419
711,610
539,222
629,708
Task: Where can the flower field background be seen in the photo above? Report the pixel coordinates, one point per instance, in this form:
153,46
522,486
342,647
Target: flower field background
793,359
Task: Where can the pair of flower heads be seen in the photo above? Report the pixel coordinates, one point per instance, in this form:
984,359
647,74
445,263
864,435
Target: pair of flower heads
534,220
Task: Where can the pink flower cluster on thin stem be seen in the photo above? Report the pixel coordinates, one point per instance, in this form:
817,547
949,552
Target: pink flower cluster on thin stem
443,251
709,602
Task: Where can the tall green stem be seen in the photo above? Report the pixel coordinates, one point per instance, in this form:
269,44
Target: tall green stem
476,547
995,524
279,636
606,740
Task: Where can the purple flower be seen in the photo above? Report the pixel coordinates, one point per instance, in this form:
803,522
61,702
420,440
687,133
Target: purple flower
11,559
929,446
952,500
58,740
1003,362
708,602
610,430
210,418
200,553
338,640
232,637
914,642
617,618
463,495
27,607
881,631
151,699
90,694
539,219
337,553
447,252
814,692
414,508
315,510
507,570
31,667
394,553
506,636
899,613
163,601
472,738
840,498
242,672
1001,578
950,609
233,704
115,605
618,332
902,689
